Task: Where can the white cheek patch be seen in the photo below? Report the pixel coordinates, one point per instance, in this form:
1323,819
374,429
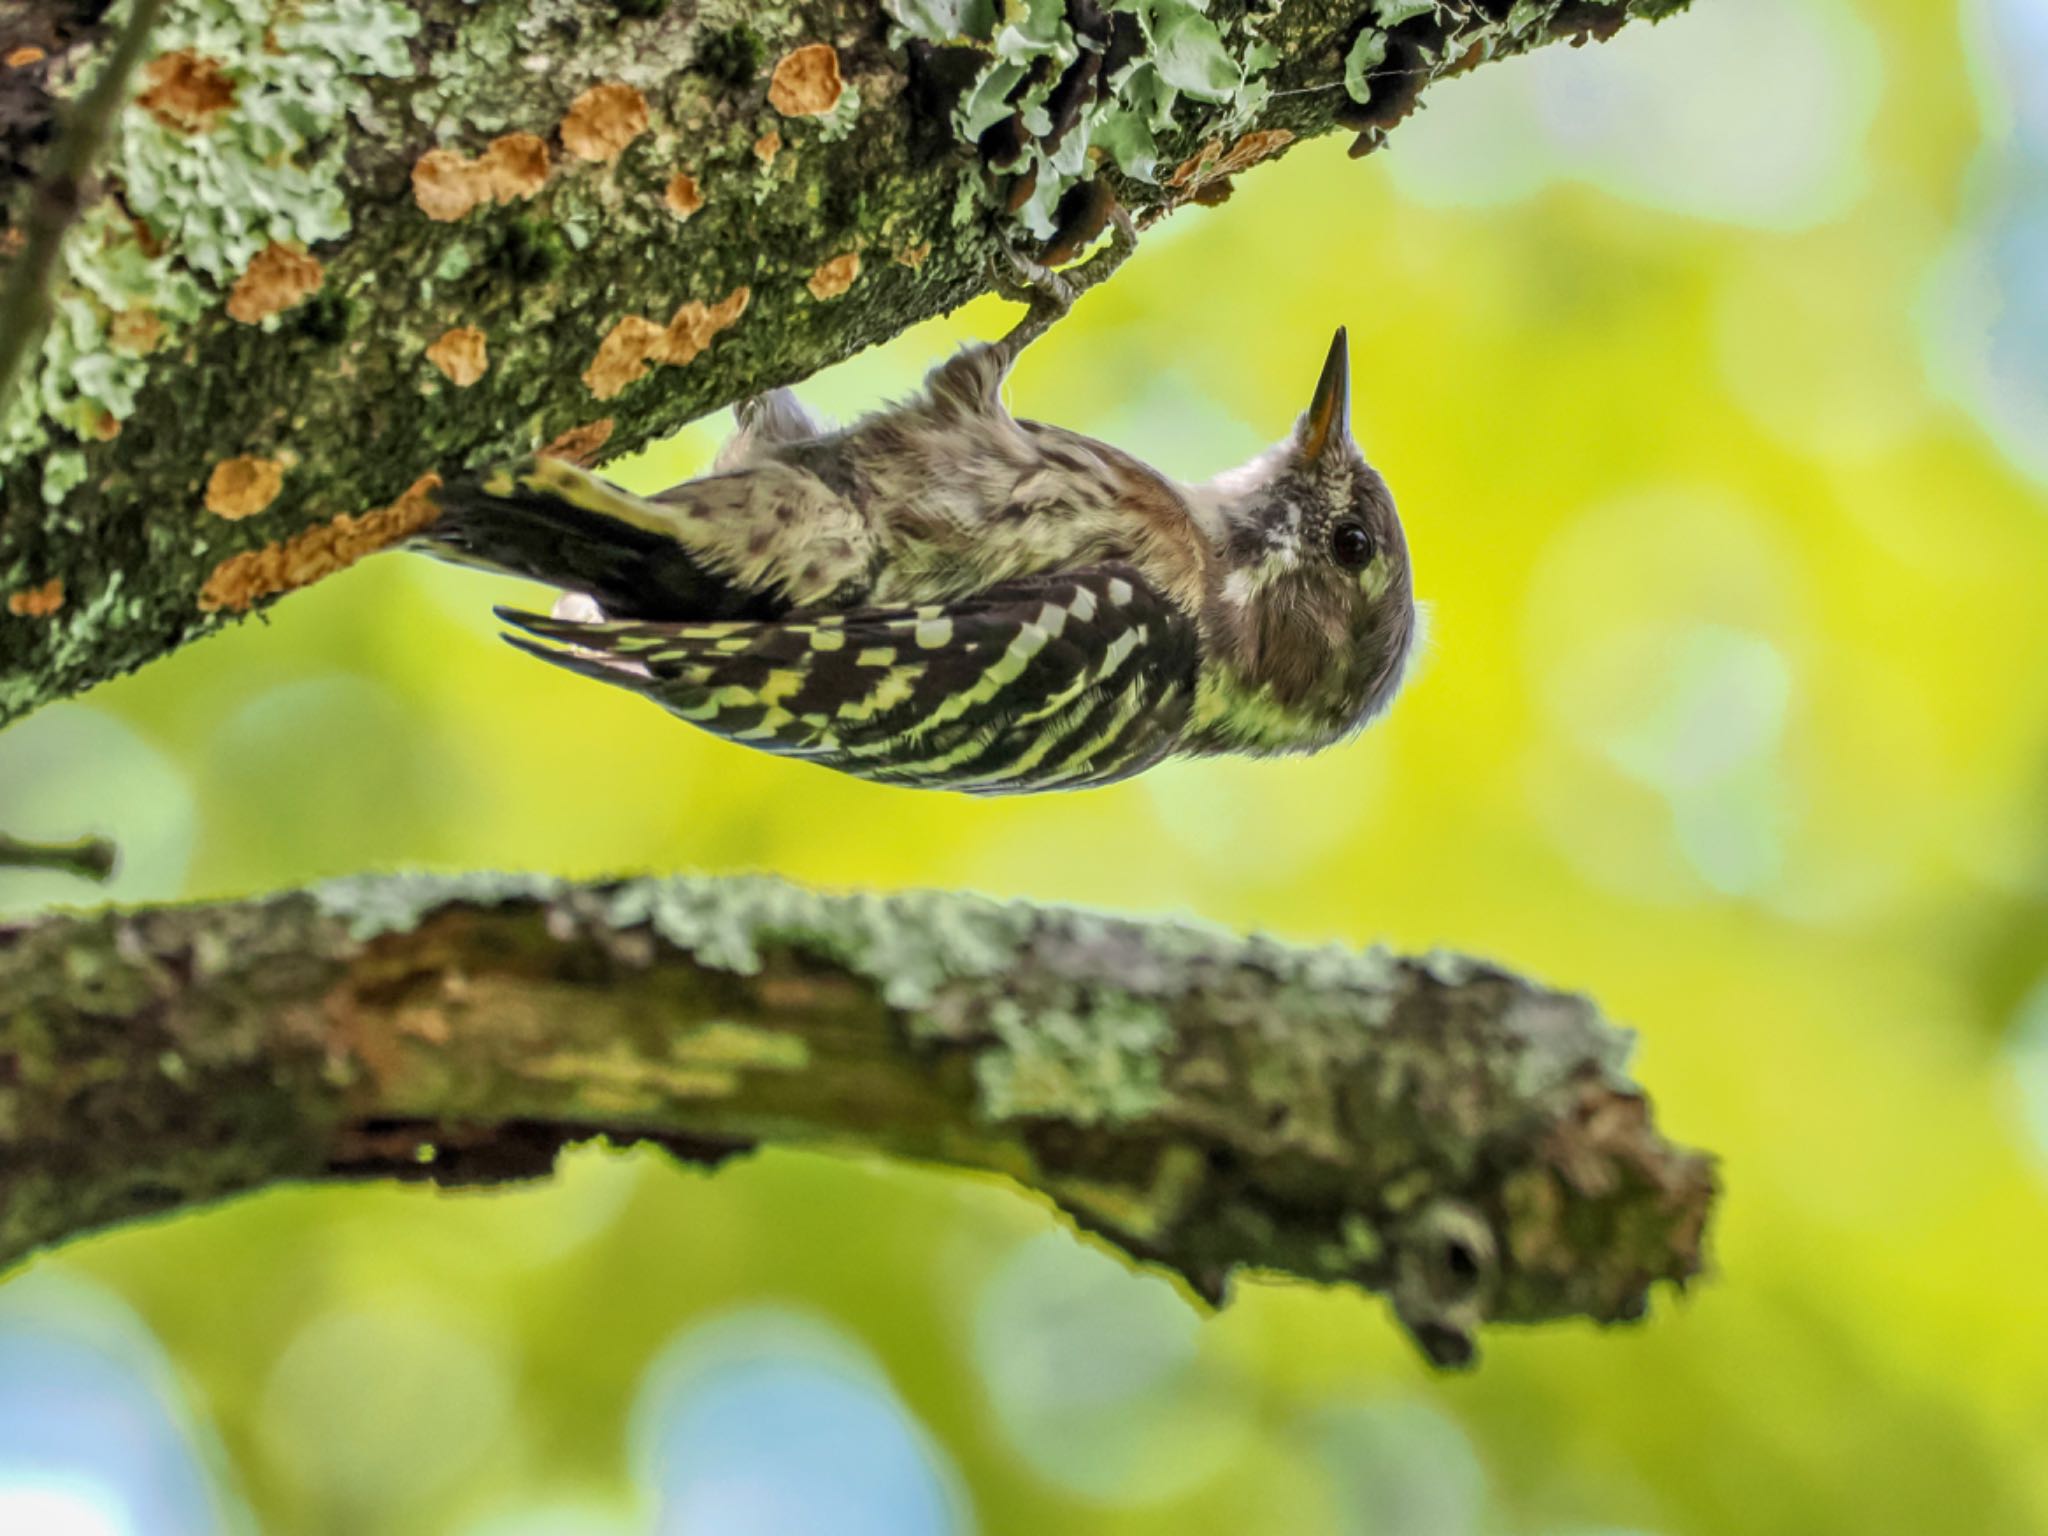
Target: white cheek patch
1283,554
1283,545
1283,539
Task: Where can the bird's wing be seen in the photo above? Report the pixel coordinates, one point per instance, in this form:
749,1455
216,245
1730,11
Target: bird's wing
1047,682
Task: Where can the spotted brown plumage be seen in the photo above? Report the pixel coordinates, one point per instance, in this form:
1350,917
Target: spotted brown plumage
943,596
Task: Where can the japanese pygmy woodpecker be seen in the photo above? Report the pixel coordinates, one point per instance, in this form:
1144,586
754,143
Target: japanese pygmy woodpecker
943,596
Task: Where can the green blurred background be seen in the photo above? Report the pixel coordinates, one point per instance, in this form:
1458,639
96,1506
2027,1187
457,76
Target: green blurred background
1710,368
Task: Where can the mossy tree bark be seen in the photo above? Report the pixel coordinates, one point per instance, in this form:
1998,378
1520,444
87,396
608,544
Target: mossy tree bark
1438,1130
346,245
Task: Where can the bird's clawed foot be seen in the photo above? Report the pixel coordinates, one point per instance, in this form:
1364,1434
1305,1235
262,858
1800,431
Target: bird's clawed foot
1049,294
1046,294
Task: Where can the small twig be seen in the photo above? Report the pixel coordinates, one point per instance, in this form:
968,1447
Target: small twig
89,858
25,301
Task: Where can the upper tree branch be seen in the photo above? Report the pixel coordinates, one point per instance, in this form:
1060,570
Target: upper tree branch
1437,1130
370,242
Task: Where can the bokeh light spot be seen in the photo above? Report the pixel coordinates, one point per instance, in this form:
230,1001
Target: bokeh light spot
1720,707
37,1508
1216,807
71,770
422,1420
1093,1372
1631,117
556,1520
2027,1059
2010,50
1680,677
767,1423
1399,1469
94,1440
1829,369
1986,323
308,768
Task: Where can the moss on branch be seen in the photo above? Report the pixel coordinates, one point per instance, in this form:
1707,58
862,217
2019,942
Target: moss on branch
1437,1130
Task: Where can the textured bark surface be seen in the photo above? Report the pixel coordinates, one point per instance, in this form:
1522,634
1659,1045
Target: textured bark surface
1437,1130
285,312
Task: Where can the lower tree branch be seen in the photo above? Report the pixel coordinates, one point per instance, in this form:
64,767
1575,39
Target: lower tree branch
1435,1129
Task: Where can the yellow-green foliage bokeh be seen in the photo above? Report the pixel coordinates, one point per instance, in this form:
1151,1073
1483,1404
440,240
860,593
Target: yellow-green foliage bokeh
1688,360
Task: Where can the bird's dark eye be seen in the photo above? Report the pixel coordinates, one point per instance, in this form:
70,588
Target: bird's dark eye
1351,546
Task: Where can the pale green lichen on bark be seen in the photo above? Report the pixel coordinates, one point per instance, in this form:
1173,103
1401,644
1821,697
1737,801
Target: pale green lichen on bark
1096,1061
372,906
1087,1043
908,946
266,167
270,167
1032,45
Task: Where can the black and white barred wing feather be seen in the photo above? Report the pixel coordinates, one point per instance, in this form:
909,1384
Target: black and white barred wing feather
1059,681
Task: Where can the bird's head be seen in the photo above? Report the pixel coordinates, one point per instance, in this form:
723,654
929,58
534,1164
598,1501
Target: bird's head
1310,613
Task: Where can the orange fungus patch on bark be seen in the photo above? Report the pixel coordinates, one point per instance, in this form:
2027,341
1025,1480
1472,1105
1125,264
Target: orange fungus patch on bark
1212,161
913,256
623,356
693,325
446,185
37,602
604,120
243,487
461,354
683,196
806,82
185,91
515,165
636,343
278,277
241,581
136,331
581,445
835,276
767,147
24,56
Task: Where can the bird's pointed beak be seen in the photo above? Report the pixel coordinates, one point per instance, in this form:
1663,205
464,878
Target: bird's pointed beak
1329,415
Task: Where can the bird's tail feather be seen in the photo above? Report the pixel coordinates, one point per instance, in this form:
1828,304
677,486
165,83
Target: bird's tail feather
549,521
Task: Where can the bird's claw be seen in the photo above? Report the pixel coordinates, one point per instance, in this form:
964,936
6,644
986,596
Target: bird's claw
1020,279
1123,239
1050,293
